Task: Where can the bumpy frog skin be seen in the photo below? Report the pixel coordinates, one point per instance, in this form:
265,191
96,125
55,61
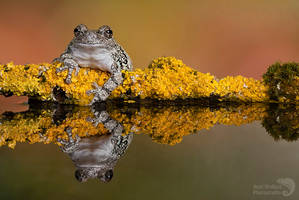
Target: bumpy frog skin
96,157
98,50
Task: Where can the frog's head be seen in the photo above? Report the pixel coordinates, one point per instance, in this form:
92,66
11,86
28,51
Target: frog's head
100,37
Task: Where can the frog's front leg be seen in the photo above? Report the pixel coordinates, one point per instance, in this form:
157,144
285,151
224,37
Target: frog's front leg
70,145
114,127
102,93
68,64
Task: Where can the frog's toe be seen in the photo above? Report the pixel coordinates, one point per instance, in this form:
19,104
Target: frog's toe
69,145
77,70
100,95
89,92
60,69
61,141
99,118
96,98
94,91
68,80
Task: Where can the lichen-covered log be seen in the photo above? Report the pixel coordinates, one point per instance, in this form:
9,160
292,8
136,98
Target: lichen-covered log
166,78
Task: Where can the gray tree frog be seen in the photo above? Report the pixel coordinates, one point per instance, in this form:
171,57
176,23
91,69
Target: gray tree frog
96,49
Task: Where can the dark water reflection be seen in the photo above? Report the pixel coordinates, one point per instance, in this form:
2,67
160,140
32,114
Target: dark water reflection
150,152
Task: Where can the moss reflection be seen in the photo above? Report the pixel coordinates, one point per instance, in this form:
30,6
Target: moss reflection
282,122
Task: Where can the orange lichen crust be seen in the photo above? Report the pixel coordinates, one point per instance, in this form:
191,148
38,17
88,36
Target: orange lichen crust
40,80
166,78
242,89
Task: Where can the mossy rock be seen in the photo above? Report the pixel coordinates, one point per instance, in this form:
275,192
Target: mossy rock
283,82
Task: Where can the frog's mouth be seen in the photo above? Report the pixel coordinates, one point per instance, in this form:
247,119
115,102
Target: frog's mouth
90,45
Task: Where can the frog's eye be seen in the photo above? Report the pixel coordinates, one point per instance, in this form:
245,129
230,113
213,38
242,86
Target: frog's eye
105,31
108,33
76,30
80,29
80,176
106,176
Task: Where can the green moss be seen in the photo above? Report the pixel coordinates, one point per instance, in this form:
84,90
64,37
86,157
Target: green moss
283,81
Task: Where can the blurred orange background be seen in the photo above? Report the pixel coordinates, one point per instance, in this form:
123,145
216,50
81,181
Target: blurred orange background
223,37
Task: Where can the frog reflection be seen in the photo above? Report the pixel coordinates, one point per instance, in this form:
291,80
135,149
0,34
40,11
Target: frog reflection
96,156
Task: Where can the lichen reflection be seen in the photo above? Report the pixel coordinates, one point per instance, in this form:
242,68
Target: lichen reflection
164,124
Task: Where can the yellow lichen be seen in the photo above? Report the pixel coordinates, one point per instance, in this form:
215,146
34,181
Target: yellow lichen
39,80
166,78
241,88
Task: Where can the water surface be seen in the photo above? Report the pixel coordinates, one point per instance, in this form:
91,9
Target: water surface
224,162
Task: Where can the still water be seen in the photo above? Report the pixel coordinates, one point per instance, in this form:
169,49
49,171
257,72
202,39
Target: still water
150,152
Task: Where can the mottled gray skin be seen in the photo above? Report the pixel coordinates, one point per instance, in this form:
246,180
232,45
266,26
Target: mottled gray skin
96,157
95,49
